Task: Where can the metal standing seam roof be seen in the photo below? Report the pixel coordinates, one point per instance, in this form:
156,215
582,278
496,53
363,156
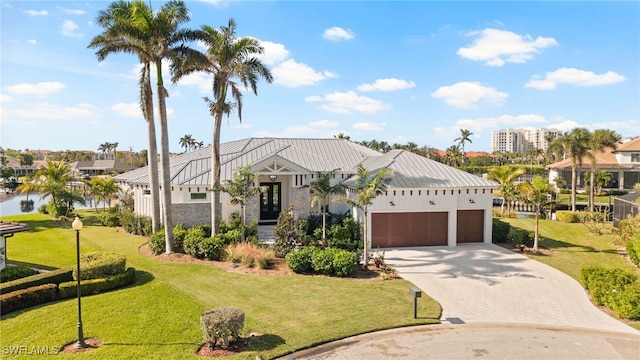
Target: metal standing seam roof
315,155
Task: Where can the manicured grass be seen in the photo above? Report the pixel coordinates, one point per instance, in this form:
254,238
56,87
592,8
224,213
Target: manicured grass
584,198
573,246
159,316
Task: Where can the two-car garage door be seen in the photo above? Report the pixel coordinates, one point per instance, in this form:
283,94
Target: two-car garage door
424,228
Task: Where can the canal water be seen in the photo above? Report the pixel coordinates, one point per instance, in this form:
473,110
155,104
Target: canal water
15,204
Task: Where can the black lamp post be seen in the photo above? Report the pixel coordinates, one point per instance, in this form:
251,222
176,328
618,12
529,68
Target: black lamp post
77,226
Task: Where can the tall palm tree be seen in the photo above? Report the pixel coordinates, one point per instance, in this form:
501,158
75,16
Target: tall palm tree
535,193
232,62
186,142
464,137
598,142
573,144
321,191
453,156
133,27
367,187
505,175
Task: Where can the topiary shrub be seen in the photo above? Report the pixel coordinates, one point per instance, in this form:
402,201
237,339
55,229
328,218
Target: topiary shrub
179,233
96,286
322,260
51,277
24,298
99,264
567,216
627,302
221,325
11,273
520,237
201,247
157,243
500,231
605,284
344,262
300,261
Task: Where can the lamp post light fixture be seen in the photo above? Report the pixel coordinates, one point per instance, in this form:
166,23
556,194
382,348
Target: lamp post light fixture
77,226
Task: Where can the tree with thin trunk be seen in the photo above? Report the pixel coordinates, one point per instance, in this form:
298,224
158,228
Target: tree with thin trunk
240,189
465,136
367,187
134,28
453,156
232,62
536,193
321,191
186,142
574,145
505,175
599,141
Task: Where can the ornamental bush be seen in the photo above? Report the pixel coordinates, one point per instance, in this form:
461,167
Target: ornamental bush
605,285
300,261
24,298
11,273
521,237
51,277
567,216
96,286
221,324
344,262
322,260
99,264
500,231
157,243
627,303
329,261
201,247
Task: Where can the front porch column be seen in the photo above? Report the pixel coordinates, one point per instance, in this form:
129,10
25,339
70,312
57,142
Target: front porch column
620,179
452,237
488,225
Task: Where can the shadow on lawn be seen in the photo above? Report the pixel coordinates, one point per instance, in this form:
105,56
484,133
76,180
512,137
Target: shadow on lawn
264,342
558,245
31,265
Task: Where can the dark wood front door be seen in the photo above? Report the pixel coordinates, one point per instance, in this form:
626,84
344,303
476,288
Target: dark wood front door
271,201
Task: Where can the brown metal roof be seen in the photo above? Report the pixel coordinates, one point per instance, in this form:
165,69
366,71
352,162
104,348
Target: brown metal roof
12,227
604,160
632,145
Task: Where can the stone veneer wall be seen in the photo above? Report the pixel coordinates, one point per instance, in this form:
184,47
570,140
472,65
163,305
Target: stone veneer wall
191,214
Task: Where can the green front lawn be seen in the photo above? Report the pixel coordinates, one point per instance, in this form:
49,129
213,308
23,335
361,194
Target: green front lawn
584,198
158,317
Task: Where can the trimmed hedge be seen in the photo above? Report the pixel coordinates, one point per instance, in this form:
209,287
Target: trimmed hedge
24,298
157,242
329,261
52,277
300,261
616,289
11,273
96,286
521,237
567,216
500,231
633,249
201,247
96,265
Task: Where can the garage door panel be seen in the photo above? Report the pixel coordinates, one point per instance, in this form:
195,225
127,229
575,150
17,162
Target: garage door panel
470,226
409,229
438,229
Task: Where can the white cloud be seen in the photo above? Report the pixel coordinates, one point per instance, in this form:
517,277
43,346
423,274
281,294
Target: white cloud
55,112
40,89
564,125
32,41
5,98
273,53
389,84
37,12
575,77
338,34
467,95
69,28
293,74
324,123
348,102
494,123
127,109
73,11
315,129
202,81
495,47
368,126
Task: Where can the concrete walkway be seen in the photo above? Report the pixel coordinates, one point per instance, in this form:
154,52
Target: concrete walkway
484,283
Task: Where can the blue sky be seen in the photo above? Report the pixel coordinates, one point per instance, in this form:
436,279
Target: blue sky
395,71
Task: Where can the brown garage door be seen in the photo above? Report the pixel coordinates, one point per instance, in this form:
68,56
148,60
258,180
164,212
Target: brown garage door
470,226
409,229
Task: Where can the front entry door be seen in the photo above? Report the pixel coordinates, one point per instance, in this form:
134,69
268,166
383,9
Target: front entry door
270,201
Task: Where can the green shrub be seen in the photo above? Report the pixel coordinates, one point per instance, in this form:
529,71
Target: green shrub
627,302
567,216
42,209
300,261
96,286
206,229
344,262
24,298
99,264
628,228
322,261
111,217
194,236
520,237
157,243
500,231
285,233
633,249
11,273
223,324
605,284
51,277
179,233
136,224
201,247
564,191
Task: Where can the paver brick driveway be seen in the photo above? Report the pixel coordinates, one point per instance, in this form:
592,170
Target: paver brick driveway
484,283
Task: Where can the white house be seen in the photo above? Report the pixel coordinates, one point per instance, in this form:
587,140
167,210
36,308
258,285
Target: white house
426,202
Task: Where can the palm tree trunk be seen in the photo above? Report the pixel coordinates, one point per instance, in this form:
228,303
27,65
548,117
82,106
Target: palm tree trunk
164,160
574,184
365,251
216,209
152,155
592,189
535,235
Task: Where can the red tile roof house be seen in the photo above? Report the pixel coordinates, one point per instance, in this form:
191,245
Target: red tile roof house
623,163
426,202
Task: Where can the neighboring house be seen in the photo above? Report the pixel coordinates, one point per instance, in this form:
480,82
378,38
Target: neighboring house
426,202
623,164
100,167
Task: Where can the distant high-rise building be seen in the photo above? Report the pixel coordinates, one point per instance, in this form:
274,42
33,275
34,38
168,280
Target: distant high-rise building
516,140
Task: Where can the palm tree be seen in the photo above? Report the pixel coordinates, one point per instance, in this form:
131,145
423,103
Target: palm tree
453,156
114,147
536,193
505,175
240,189
464,137
367,187
186,142
104,148
51,180
232,62
573,144
132,27
321,190
599,141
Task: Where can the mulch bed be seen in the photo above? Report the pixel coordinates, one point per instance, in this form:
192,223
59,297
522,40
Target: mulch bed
92,343
234,348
